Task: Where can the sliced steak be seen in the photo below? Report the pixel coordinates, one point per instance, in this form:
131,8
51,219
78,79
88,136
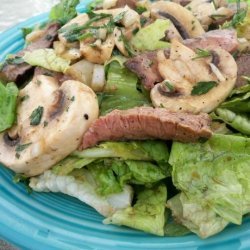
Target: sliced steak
18,72
147,123
145,66
60,77
123,3
226,39
243,63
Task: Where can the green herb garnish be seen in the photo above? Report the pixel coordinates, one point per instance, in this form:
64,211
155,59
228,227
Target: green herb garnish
203,87
26,31
36,116
169,85
23,179
22,147
127,46
201,53
140,9
24,98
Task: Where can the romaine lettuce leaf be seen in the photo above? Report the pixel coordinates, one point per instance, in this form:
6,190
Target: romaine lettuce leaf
47,59
112,165
8,98
82,189
149,38
64,11
120,91
198,218
150,150
214,178
148,212
238,121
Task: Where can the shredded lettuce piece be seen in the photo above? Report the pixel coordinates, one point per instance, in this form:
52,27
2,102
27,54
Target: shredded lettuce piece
64,11
120,91
112,165
47,59
147,214
149,38
83,190
8,99
214,178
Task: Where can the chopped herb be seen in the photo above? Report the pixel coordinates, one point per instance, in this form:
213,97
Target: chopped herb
14,60
169,85
217,16
127,46
202,53
135,31
238,18
17,155
48,37
45,124
119,17
140,9
23,179
93,5
22,147
24,98
75,32
26,31
72,98
162,106
143,20
203,87
36,116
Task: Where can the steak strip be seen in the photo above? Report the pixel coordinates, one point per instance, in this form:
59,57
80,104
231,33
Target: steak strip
18,72
147,123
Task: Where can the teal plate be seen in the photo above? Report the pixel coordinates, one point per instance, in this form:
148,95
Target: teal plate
55,221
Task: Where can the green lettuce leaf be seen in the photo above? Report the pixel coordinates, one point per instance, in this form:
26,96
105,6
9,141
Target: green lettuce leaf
150,150
214,178
149,38
8,99
64,11
238,121
198,218
120,91
147,214
112,165
47,59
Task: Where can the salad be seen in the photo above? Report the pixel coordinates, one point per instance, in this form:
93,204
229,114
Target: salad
139,109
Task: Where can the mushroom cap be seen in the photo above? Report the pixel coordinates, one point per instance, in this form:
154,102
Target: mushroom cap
184,73
68,111
184,17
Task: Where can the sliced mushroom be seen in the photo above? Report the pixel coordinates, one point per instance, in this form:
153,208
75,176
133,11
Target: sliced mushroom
183,72
50,124
100,52
185,22
79,20
202,10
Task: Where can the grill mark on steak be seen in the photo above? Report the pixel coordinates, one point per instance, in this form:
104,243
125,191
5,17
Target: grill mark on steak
18,72
147,123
